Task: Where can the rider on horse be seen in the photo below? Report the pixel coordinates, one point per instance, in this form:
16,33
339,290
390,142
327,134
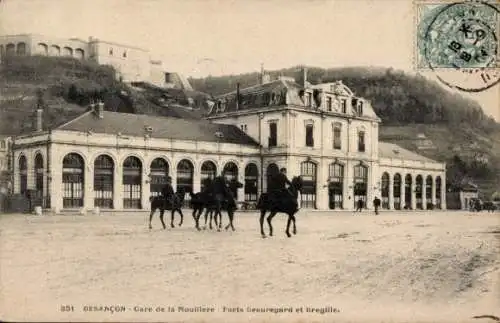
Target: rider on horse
221,191
168,192
280,191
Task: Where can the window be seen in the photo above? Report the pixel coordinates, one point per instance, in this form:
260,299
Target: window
273,134
329,104
309,135
308,99
361,141
111,51
360,108
125,54
2,144
243,127
344,106
337,136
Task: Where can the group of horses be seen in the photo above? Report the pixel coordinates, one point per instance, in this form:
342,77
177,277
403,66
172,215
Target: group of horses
205,201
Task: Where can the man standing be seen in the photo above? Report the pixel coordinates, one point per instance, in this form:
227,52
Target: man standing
359,204
376,204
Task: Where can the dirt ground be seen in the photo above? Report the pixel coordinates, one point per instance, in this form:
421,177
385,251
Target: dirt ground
411,267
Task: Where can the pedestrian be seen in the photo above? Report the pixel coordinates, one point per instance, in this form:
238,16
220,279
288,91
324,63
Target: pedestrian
359,205
376,204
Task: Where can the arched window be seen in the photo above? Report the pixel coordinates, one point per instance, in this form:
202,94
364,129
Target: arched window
438,192
158,176
55,50
208,171
42,49
271,171
336,186
231,171
23,174
408,192
68,51
79,53
308,171
103,181
39,175
360,184
428,192
21,49
251,180
419,191
397,191
10,50
73,180
132,183
384,190
185,171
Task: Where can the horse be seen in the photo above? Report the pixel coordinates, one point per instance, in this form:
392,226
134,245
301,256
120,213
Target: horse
205,200
159,203
287,206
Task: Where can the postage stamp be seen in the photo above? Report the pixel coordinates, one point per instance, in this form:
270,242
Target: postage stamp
459,42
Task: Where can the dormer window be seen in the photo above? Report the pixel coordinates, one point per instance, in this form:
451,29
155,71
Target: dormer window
360,108
344,106
308,99
329,103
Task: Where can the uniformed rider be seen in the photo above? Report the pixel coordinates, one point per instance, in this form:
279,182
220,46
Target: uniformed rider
280,183
221,191
168,192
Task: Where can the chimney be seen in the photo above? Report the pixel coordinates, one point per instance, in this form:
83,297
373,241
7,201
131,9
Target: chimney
238,96
304,76
261,73
100,109
39,120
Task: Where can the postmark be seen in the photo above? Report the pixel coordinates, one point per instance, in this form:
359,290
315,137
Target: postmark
459,42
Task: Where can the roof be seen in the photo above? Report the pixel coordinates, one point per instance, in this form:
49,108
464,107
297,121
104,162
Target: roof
274,93
393,151
163,127
286,92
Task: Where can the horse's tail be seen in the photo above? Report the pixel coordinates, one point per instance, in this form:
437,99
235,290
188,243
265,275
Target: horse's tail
260,202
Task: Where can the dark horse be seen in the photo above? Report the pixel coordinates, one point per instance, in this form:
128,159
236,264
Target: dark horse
159,203
205,201
284,205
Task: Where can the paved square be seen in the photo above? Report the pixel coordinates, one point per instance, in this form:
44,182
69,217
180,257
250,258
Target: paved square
414,266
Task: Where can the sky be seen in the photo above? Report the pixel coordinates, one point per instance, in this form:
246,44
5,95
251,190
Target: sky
216,37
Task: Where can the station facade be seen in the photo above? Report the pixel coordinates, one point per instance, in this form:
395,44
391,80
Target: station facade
323,133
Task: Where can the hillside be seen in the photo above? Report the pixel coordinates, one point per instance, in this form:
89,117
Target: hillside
410,106
456,129
64,87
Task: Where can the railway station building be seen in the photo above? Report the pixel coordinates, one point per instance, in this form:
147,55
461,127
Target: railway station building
322,132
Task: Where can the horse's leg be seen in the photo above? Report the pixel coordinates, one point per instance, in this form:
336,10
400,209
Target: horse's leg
294,226
182,216
151,217
195,218
230,215
287,231
161,218
269,219
172,214
261,221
